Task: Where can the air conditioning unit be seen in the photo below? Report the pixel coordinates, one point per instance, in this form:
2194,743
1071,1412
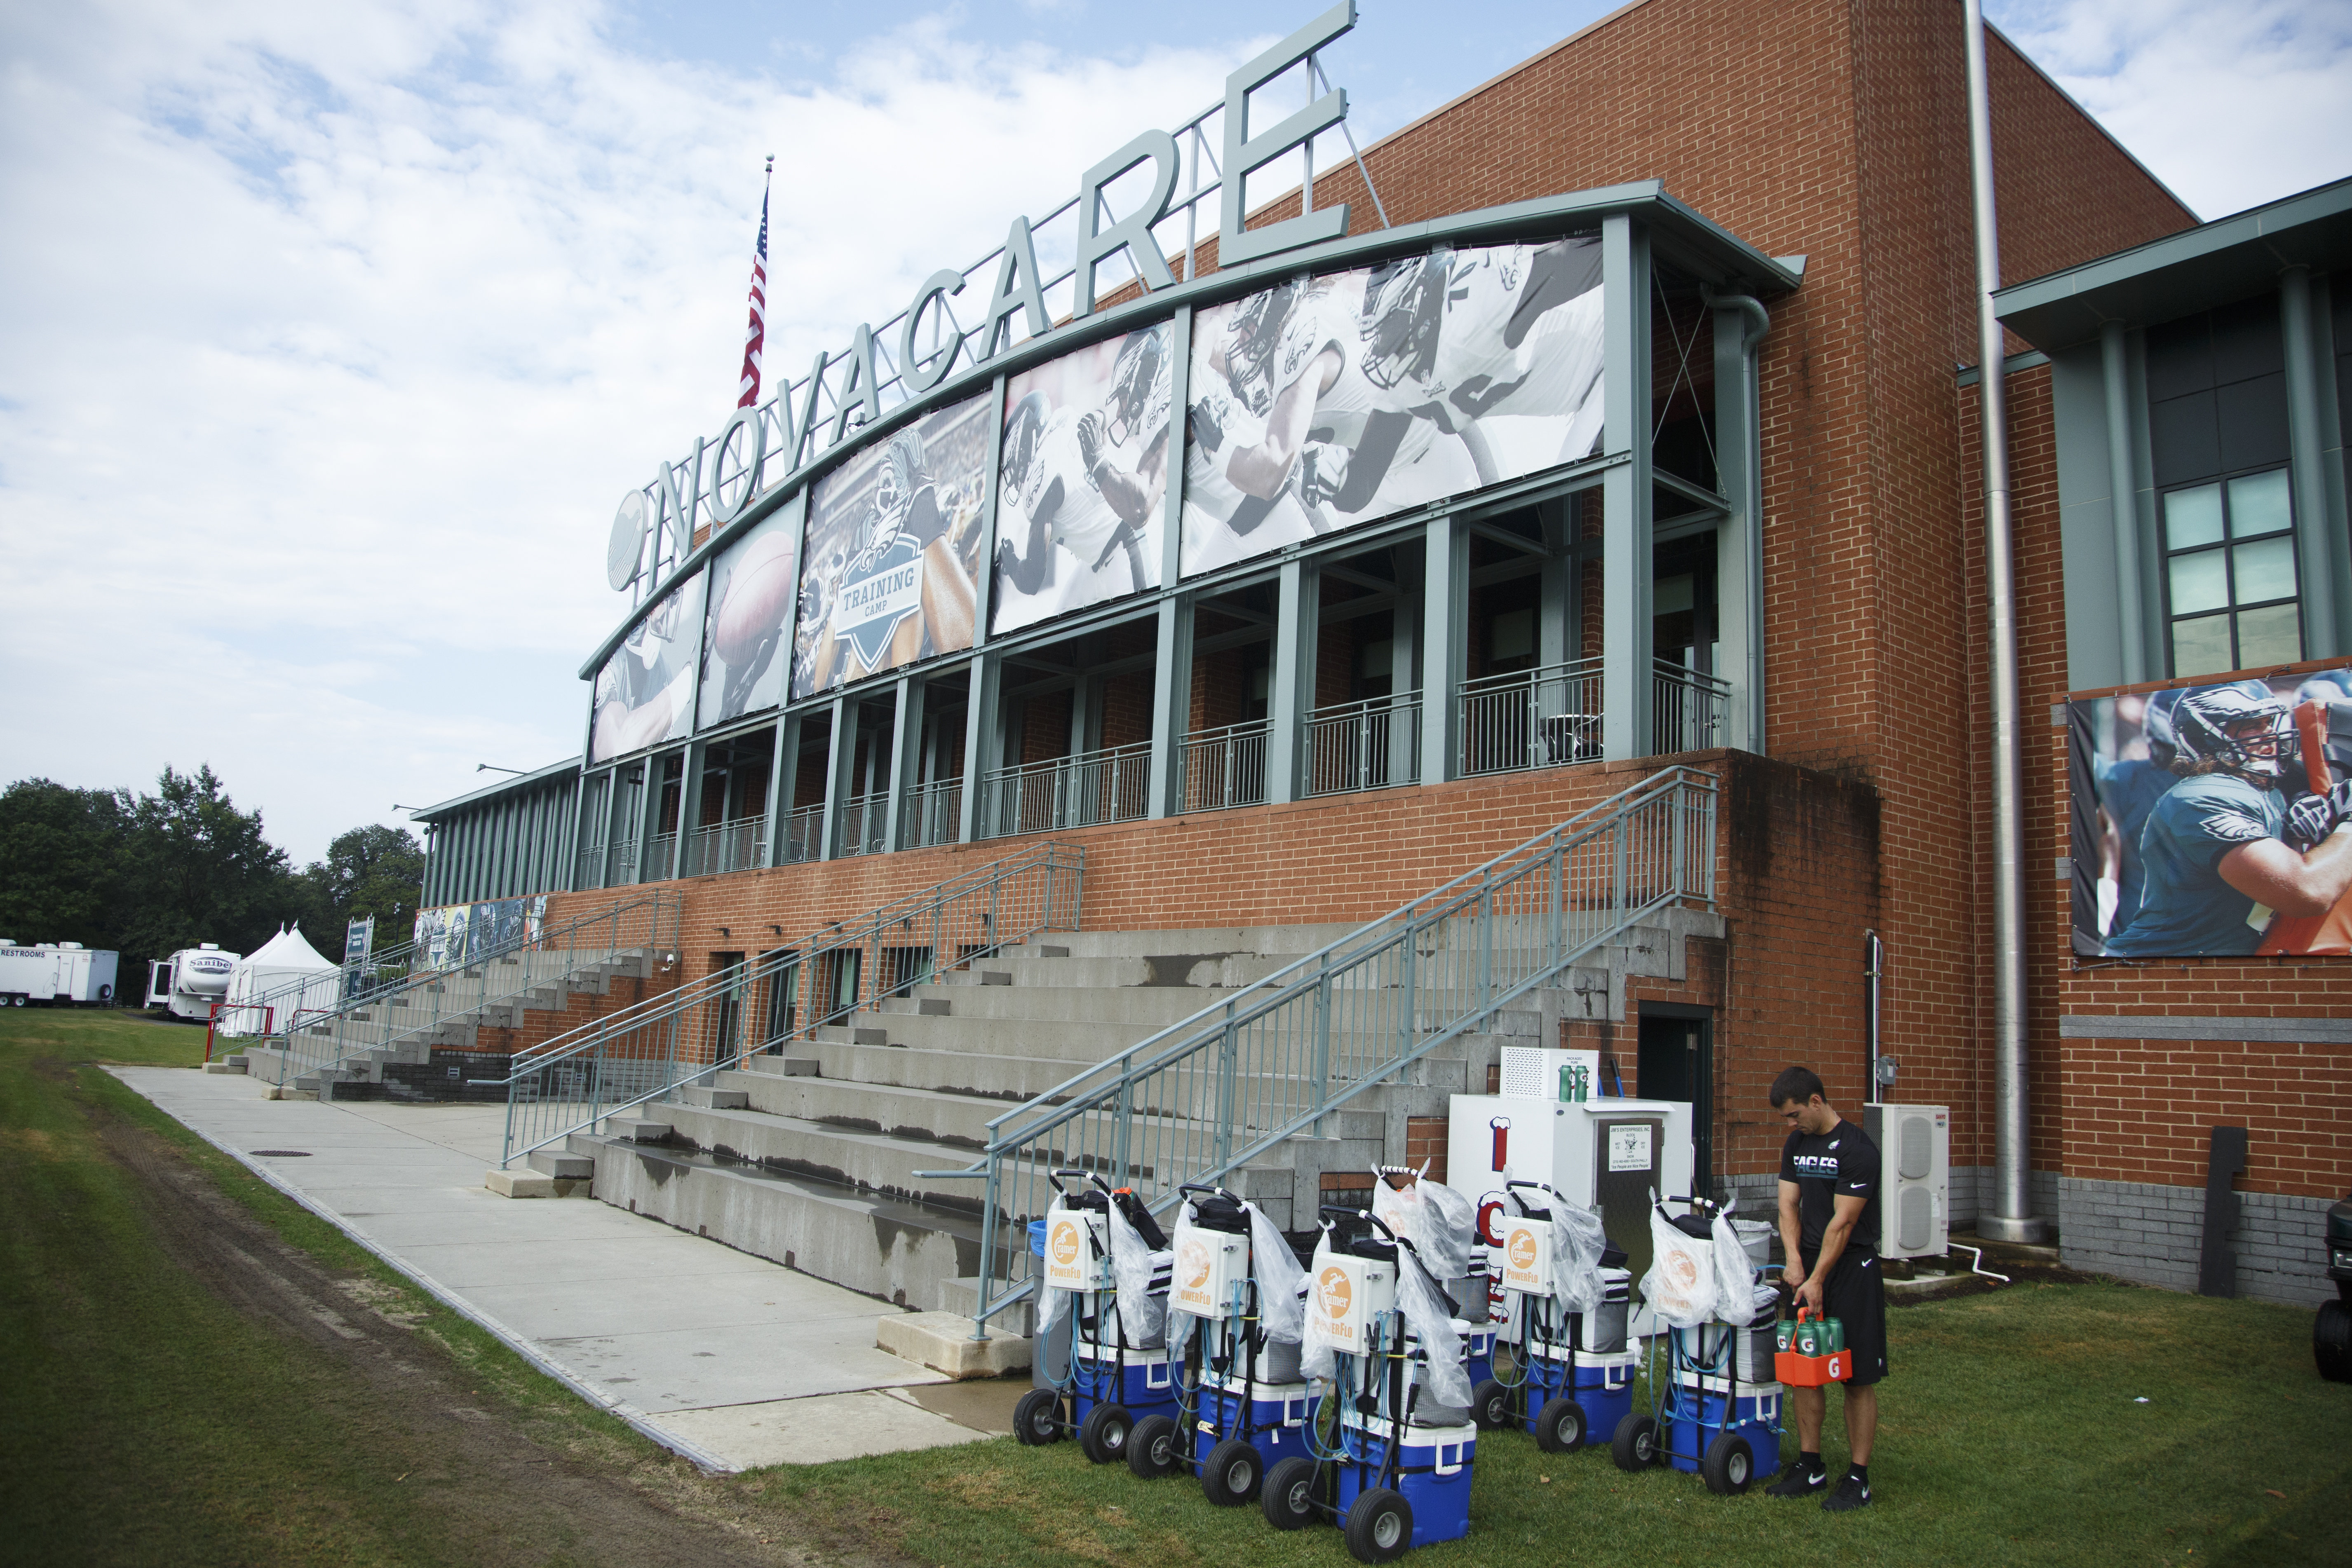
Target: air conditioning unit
1915,1199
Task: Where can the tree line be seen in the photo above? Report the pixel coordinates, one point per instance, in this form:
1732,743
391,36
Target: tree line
146,874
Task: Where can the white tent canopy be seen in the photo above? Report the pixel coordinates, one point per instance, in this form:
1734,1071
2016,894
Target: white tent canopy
279,965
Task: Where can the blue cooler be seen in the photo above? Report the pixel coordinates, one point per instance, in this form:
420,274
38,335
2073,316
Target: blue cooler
1478,1353
1604,1386
1749,1410
1278,1420
1432,1472
1145,1385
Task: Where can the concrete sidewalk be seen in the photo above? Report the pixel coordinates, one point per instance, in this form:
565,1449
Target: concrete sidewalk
733,1360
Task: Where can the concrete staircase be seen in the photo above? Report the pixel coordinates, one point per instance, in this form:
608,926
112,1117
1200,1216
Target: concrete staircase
809,1157
343,1054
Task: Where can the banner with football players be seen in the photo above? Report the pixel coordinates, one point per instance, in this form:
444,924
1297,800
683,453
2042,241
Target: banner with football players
1082,480
752,585
892,551
2213,819
644,693
1328,401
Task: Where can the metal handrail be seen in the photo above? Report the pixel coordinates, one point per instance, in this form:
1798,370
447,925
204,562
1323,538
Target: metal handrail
1689,709
1370,744
721,847
429,989
934,813
804,827
1205,1095
1223,767
641,1053
1110,785
865,824
1546,717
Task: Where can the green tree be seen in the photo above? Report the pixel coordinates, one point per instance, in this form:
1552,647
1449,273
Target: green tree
62,863
371,870
199,870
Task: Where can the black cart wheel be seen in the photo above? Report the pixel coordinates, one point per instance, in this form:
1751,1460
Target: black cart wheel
1102,1436
1490,1405
1286,1497
1038,1418
1559,1426
2331,1341
1380,1527
1729,1466
1155,1449
1635,1446
1230,1476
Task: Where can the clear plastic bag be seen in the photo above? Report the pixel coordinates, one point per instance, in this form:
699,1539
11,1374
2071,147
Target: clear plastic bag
1141,1315
1576,1240
1178,1240
1052,1305
1433,1218
1317,1352
1281,1283
1682,1286
1426,1317
1735,1277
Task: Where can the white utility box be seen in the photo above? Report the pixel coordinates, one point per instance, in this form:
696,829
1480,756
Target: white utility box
1078,1249
1205,1271
1914,1191
1525,1253
1350,1294
1604,1154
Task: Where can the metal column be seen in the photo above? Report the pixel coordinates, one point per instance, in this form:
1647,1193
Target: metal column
906,756
839,751
1740,324
1627,681
2321,547
2123,502
1445,596
1290,685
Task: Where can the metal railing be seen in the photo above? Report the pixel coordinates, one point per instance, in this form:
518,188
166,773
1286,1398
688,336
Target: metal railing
661,857
495,975
1366,745
739,845
639,1053
934,814
865,824
1209,1094
1689,711
1108,786
1223,767
1544,717
804,835
621,870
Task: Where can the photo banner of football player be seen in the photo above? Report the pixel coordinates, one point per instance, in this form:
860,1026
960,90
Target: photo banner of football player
1323,403
2213,819
644,693
893,551
753,584
1081,480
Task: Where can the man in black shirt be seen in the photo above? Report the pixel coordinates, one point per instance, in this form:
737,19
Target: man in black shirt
1829,1227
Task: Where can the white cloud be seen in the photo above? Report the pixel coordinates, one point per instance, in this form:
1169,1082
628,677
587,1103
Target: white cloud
2230,105
334,334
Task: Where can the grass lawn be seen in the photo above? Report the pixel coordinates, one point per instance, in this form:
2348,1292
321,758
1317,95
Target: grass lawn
165,1408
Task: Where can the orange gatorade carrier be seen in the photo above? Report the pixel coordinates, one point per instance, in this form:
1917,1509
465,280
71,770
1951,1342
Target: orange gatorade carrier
1813,1352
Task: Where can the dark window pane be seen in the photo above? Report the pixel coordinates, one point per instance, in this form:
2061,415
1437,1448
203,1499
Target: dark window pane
2273,636
2247,341
2253,419
2201,647
2180,358
2183,440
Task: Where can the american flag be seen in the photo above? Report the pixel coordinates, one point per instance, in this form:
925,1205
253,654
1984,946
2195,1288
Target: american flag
755,336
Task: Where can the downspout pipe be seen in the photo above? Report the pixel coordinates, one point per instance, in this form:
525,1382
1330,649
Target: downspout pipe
1751,342
2010,1215
1874,958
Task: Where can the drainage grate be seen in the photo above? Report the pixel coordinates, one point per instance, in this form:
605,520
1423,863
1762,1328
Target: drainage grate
283,1153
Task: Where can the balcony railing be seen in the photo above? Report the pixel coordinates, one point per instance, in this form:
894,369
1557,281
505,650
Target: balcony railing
739,845
1690,710
1543,717
804,835
1366,745
1223,767
1108,786
660,856
934,814
866,824
621,863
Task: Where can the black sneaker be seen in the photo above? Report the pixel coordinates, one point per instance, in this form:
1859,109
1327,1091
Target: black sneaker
1799,1483
1850,1495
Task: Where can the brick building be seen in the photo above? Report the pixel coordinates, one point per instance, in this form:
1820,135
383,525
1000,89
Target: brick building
1771,570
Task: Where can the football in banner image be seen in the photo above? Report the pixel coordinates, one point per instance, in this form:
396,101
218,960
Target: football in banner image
758,595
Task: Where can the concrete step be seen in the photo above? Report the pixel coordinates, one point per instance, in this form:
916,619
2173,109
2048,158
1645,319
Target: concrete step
562,1165
896,1251
642,1129
721,1097
962,1297
1213,939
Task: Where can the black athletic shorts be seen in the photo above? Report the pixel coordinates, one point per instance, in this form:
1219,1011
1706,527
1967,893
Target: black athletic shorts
1855,1294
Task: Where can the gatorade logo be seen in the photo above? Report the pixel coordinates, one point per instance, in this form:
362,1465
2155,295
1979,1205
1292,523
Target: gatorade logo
1523,1248
1195,1266
1334,1292
1066,1244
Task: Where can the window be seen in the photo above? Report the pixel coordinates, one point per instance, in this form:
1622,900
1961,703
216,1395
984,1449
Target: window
2229,575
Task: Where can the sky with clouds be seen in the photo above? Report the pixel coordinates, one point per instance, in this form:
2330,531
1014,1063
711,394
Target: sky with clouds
329,334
